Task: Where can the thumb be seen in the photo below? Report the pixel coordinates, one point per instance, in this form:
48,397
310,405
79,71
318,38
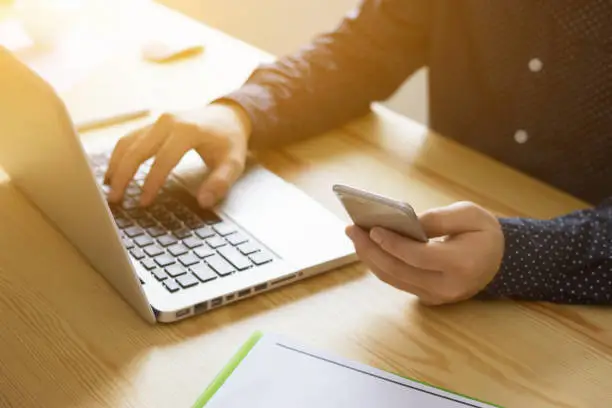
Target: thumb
457,218
219,181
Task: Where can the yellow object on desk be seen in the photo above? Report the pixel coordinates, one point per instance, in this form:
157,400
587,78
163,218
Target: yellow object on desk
67,339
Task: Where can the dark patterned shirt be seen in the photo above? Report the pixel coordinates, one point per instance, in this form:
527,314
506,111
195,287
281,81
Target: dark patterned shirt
528,82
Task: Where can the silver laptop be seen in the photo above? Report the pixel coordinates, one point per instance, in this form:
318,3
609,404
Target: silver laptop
171,260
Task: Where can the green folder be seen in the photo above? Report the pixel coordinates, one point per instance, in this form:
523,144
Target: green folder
255,338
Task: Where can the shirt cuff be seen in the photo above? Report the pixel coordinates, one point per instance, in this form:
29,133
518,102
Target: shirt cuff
514,277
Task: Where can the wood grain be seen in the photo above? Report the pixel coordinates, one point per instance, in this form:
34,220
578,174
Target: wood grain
67,339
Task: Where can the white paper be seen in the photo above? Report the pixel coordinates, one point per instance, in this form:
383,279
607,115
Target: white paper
277,374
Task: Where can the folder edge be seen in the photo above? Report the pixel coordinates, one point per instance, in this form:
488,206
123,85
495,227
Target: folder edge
244,350
227,371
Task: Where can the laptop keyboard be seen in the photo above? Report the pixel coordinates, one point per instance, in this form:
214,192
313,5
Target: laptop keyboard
180,244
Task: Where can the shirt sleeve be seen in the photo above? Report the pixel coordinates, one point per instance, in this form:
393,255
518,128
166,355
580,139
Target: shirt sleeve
562,260
336,78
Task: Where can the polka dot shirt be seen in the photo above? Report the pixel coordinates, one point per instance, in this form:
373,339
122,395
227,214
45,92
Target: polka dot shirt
563,260
527,82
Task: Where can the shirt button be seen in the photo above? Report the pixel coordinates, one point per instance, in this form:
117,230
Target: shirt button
521,136
535,65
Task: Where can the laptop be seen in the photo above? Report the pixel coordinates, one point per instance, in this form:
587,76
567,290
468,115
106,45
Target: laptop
173,259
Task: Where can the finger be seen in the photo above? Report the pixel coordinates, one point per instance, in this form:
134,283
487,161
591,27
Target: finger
166,159
219,181
399,284
454,219
141,150
120,148
370,253
430,256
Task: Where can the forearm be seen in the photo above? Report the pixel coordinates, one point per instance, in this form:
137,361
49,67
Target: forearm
335,79
564,260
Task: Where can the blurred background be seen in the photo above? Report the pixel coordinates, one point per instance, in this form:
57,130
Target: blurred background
276,26
281,26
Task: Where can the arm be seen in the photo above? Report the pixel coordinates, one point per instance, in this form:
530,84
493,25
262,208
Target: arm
565,260
335,79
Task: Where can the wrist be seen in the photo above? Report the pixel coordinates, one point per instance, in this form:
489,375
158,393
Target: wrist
237,115
513,264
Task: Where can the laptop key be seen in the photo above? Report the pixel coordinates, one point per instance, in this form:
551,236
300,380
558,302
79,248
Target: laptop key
130,204
132,191
134,231
204,251
203,272
182,233
163,217
171,285
236,238
172,224
178,250
248,248
233,256
128,244
156,231
167,240
146,222
153,250
175,270
123,222
159,274
183,214
194,223
208,217
224,228
137,254
156,209
180,195
260,258
117,212
205,232
189,259
216,242
187,281
141,174
136,213
148,264
98,159
143,241
220,265
192,242
164,260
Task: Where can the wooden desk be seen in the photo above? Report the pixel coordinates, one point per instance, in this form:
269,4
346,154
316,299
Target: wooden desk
68,340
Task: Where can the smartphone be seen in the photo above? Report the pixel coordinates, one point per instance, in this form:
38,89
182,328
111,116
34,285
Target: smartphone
369,210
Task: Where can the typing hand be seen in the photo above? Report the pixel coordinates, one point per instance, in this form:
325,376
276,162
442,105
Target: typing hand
460,262
219,133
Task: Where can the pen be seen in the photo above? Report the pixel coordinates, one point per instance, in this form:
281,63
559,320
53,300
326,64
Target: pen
111,120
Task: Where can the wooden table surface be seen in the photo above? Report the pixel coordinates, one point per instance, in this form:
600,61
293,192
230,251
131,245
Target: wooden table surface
68,340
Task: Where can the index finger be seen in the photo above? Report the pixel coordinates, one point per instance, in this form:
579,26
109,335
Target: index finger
374,256
138,152
120,148
431,255
168,156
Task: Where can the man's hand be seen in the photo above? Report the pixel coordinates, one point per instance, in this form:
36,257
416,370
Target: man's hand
219,133
463,254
